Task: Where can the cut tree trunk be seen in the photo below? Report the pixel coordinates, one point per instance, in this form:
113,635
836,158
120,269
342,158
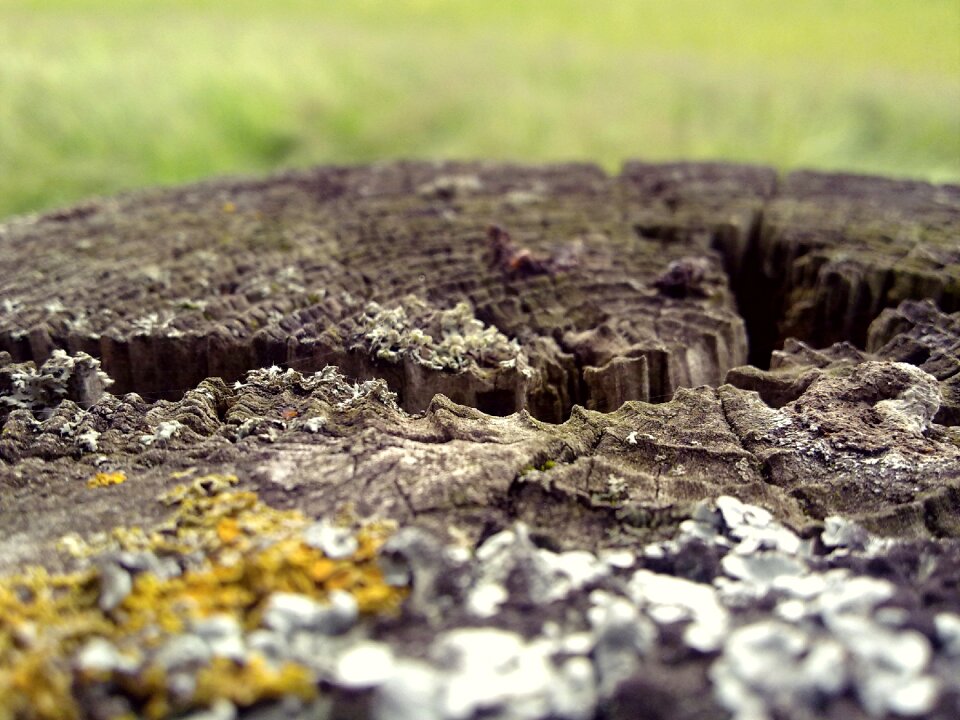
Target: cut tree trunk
485,354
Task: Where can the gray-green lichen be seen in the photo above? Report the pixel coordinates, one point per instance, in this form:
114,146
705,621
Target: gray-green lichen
452,339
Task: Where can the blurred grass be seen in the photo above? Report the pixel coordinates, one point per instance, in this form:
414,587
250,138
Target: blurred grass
102,95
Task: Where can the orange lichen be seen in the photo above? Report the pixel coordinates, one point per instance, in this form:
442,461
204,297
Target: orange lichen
228,530
236,552
106,479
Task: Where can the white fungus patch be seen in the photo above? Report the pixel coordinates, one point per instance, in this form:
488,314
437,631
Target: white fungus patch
364,665
183,653
165,431
825,637
540,575
669,599
99,655
411,692
115,584
845,595
223,635
619,559
495,673
89,440
771,666
334,541
314,424
479,657
948,632
755,527
889,666
621,636
762,572
841,533
486,598
287,613
829,634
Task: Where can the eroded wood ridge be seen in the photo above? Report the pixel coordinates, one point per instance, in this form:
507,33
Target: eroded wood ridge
915,332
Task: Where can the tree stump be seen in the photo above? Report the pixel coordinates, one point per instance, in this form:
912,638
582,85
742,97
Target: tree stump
453,440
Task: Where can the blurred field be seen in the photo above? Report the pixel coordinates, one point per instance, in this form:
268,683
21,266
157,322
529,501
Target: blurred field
101,95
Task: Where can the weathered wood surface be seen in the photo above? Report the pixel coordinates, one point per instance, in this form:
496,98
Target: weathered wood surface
578,327
173,286
915,332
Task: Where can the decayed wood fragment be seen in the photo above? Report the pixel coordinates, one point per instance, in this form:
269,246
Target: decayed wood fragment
915,332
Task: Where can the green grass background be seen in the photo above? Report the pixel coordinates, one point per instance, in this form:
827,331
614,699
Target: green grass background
102,95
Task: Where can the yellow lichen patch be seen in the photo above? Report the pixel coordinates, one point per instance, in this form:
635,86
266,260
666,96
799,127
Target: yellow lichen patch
38,686
227,530
106,479
234,551
43,619
252,682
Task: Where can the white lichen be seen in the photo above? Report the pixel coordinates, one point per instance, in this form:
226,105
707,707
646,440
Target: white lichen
88,440
452,339
314,424
617,486
164,431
